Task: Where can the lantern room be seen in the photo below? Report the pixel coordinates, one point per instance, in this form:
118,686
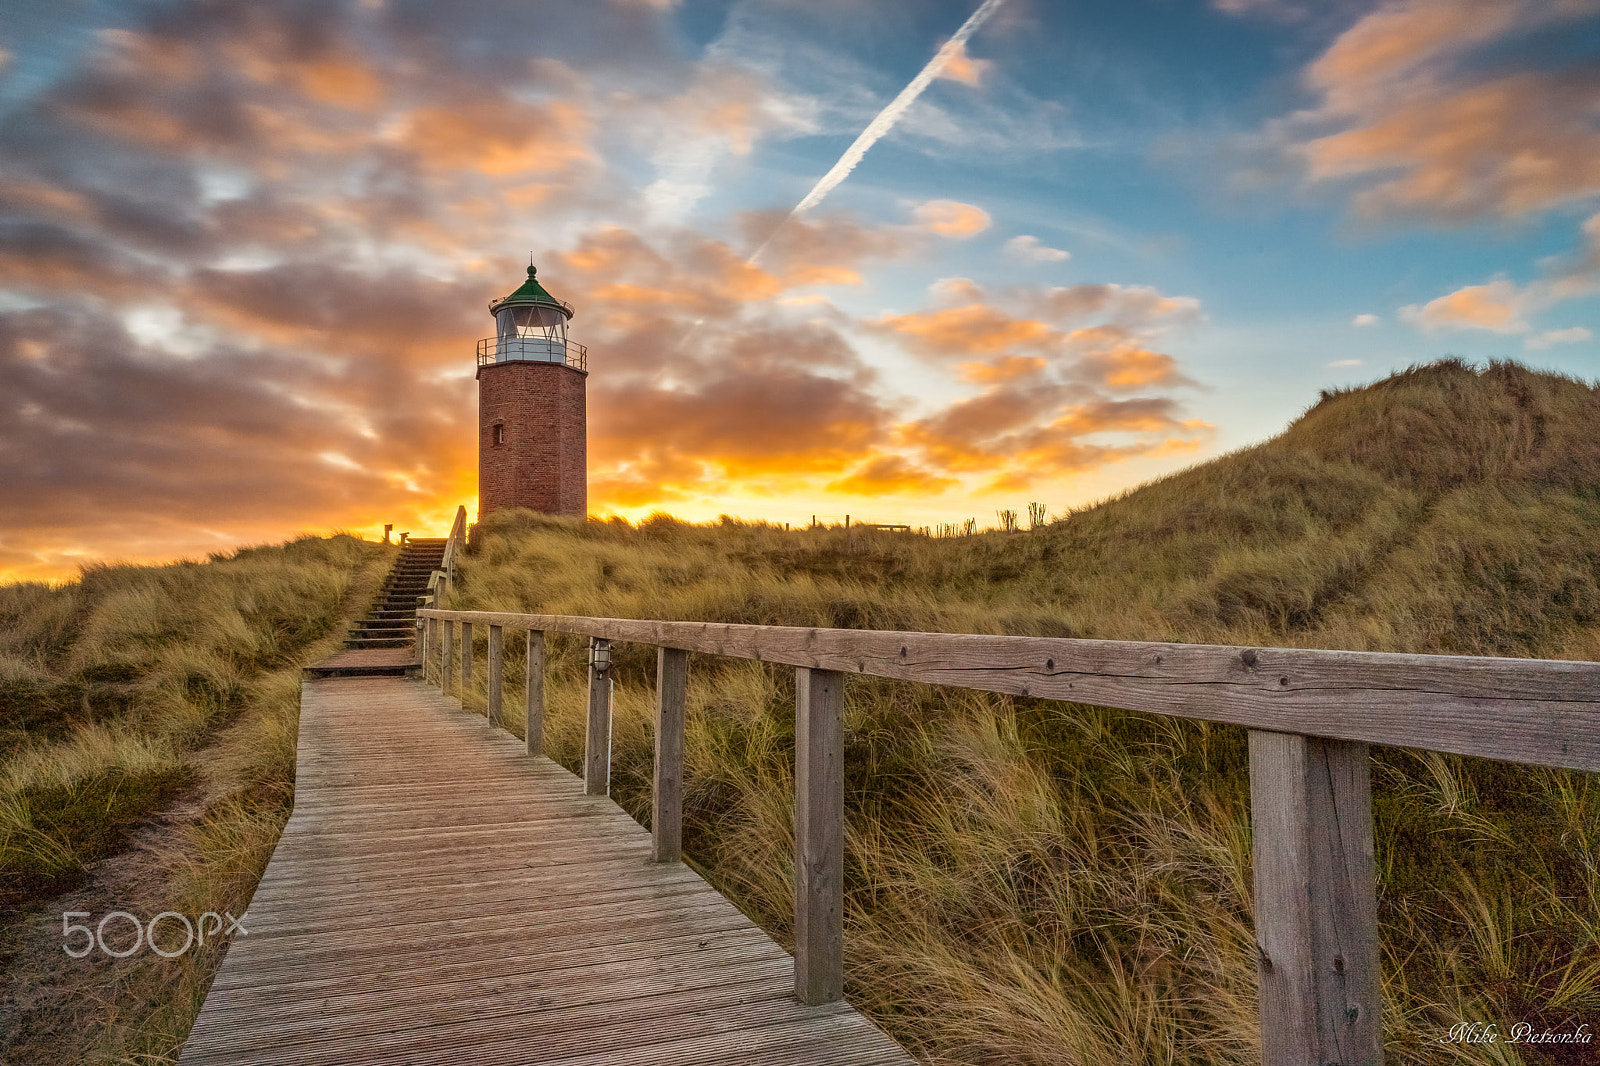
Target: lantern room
531,326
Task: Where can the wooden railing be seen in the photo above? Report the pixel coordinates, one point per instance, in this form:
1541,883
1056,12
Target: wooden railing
454,546
442,580
1310,715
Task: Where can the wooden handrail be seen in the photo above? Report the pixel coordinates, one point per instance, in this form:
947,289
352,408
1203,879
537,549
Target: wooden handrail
453,546
1311,714
1541,711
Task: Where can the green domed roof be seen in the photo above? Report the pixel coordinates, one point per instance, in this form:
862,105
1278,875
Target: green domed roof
529,294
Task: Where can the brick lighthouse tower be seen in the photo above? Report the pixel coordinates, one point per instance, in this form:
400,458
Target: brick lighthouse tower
531,420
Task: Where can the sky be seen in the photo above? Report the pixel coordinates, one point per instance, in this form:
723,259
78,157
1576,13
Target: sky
907,260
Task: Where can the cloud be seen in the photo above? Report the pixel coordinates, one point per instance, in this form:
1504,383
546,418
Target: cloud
1051,363
1502,306
1022,437
963,68
952,218
498,136
1498,306
724,111
1552,337
1027,246
973,329
1345,362
991,342
820,250
892,475
1452,110
1364,320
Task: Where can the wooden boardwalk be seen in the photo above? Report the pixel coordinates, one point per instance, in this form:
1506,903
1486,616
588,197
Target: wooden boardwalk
438,896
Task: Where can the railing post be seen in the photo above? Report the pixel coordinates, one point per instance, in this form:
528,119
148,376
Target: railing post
496,637
819,836
666,820
1316,901
466,664
597,741
447,652
533,724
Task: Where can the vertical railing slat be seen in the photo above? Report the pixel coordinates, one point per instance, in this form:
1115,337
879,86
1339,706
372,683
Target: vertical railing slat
533,722
819,836
447,652
666,820
597,739
1316,901
496,639
466,665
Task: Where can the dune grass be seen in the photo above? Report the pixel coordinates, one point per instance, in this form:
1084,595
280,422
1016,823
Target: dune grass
1034,882
147,737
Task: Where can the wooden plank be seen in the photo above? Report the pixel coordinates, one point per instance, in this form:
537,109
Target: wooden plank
597,737
1316,901
666,819
533,722
466,665
1537,711
656,1015
496,656
819,836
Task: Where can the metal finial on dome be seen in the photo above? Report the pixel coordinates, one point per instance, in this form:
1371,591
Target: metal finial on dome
531,293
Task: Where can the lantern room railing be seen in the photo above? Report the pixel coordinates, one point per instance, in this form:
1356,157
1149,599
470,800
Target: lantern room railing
532,350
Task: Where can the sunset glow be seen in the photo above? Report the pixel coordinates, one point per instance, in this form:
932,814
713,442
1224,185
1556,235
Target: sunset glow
246,248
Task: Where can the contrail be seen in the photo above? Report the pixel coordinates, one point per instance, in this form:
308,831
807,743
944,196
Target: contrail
886,119
880,125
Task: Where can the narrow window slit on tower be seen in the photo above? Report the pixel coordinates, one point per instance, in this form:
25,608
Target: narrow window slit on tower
499,434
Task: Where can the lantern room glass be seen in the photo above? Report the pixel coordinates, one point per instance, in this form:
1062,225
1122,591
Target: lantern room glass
545,323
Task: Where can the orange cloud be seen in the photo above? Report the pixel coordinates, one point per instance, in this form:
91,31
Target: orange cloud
1428,126
952,218
1498,306
343,82
1003,369
892,475
499,136
1021,438
963,68
1126,366
822,250
974,329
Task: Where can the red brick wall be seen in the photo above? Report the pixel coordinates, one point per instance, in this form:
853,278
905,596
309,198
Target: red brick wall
543,464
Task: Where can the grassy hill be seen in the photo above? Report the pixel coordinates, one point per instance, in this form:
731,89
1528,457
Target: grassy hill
147,752
1034,882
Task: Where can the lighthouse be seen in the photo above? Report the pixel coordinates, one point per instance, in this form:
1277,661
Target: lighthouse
532,424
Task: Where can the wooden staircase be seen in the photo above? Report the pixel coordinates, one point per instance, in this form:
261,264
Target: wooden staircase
392,621
383,644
